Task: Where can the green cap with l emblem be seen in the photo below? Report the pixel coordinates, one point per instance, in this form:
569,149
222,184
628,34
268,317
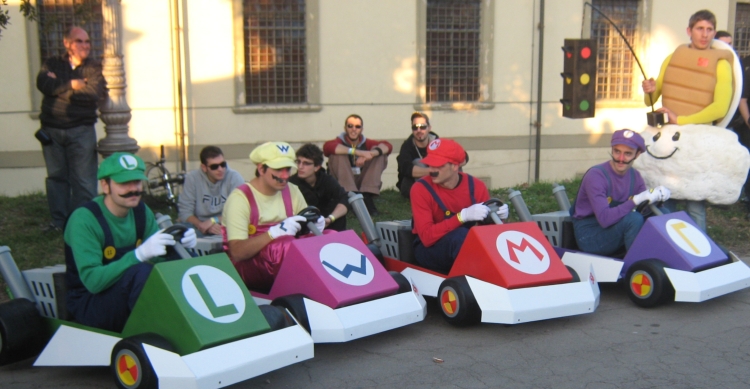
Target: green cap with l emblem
122,167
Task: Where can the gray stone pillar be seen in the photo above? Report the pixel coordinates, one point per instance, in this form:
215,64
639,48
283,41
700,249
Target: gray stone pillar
115,112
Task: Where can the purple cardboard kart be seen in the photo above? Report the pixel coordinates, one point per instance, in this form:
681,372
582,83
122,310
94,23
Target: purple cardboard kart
671,259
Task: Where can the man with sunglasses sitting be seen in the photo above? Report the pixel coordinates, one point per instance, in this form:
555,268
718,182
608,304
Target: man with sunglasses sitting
412,150
206,190
319,188
603,217
356,162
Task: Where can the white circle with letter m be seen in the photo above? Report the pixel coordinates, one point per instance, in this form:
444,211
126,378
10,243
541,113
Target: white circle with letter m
522,252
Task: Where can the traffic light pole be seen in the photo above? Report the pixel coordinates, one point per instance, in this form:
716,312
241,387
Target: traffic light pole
538,123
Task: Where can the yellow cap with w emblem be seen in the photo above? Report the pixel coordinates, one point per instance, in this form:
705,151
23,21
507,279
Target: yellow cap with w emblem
122,167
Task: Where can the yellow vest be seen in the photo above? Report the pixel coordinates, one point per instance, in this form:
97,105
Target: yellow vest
690,79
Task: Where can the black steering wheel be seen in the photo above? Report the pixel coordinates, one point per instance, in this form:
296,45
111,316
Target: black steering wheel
311,215
178,232
494,204
644,209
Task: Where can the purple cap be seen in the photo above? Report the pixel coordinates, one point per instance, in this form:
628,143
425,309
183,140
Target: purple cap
629,138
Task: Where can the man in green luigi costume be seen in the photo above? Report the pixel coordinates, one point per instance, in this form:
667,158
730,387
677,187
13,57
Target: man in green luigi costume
111,244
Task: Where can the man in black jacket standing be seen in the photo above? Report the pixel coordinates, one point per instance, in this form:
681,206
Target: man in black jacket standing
72,85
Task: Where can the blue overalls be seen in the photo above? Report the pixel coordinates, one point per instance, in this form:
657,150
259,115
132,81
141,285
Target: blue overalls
440,256
110,308
592,238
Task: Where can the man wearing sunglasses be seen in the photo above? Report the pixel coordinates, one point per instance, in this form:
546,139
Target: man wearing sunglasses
319,188
72,85
603,217
414,149
206,190
357,162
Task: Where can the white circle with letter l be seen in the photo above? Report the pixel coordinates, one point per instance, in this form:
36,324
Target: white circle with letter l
213,294
346,264
522,252
687,237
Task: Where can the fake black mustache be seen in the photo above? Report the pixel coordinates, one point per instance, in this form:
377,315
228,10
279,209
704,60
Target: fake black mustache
132,194
279,180
434,174
616,161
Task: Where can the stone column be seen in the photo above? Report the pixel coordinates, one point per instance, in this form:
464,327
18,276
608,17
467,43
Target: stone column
114,110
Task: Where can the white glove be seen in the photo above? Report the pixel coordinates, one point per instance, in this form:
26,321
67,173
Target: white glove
474,213
321,224
154,246
503,211
664,193
651,195
189,239
290,226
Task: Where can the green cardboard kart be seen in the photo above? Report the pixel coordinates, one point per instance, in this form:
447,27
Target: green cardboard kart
195,325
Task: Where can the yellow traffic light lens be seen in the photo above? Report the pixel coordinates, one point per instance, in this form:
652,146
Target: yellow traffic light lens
568,80
585,79
584,106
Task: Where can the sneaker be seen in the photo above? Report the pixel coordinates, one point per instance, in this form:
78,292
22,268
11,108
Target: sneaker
51,227
370,204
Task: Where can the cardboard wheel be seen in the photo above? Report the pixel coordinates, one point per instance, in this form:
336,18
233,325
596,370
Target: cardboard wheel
130,365
647,284
295,303
22,331
277,317
403,284
457,302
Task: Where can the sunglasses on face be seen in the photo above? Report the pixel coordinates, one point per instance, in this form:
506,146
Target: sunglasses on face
420,126
215,166
357,126
303,163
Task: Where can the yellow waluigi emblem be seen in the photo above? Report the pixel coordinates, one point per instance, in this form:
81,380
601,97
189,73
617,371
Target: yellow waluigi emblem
251,229
109,252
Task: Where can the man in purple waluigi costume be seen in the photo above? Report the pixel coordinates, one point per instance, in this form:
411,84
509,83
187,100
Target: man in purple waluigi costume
603,217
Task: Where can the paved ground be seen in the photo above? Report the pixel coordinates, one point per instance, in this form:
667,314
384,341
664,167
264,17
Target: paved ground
679,345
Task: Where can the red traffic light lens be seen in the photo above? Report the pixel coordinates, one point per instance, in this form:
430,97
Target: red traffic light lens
586,52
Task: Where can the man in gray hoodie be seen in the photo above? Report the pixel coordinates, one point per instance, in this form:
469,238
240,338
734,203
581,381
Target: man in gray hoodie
206,190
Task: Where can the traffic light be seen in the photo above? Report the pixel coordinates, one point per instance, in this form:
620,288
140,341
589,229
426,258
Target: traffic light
579,78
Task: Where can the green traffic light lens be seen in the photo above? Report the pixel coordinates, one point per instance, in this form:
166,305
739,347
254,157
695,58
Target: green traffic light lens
584,105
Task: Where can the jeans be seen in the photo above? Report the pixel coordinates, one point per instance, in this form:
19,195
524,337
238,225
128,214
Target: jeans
440,256
696,210
71,170
593,238
110,308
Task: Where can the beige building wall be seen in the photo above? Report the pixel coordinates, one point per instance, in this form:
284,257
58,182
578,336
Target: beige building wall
365,58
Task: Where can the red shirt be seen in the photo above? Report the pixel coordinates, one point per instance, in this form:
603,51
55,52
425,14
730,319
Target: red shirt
363,143
429,219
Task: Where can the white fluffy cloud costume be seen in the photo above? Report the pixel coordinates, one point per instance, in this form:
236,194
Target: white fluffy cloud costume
695,161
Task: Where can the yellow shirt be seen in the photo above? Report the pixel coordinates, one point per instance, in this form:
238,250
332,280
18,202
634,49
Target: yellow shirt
236,215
